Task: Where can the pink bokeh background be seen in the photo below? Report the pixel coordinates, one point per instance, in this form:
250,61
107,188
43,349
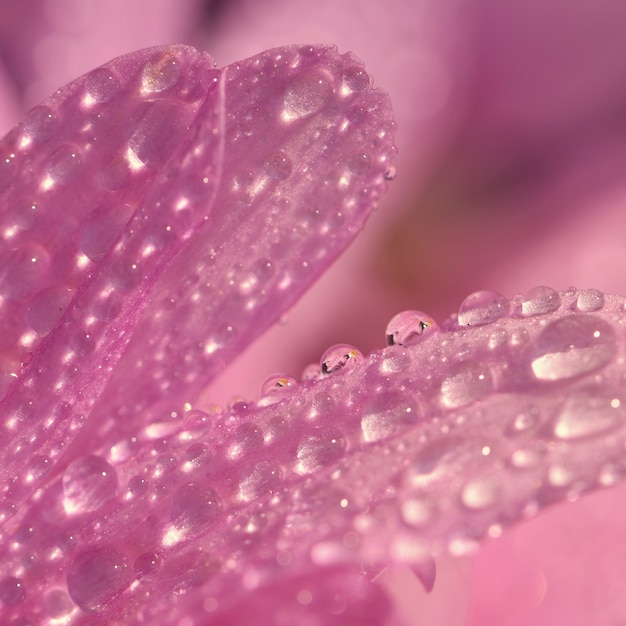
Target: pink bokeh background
512,142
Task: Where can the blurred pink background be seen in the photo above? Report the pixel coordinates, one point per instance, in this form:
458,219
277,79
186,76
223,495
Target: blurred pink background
512,144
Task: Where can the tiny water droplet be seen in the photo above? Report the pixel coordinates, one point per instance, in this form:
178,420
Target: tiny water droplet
588,413
40,124
525,458
590,300
278,165
277,385
387,414
572,346
339,356
391,173
88,484
540,300
305,96
409,327
482,307
465,382
480,493
355,79
97,577
146,564
64,164
194,506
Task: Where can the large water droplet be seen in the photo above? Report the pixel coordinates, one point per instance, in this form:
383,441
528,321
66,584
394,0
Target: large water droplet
64,164
21,271
482,307
97,577
47,307
409,327
88,484
588,413
540,300
101,85
590,300
259,479
572,346
339,356
278,165
40,124
321,448
305,96
12,591
194,506
387,414
161,74
465,383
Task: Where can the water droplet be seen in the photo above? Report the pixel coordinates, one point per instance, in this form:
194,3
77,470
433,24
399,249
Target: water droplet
480,493
482,307
12,591
88,484
146,564
465,383
305,96
277,385
540,300
137,485
387,414
101,229
47,307
572,346
21,271
525,458
339,356
319,449
57,603
355,79
97,577
247,438
101,85
161,74
418,512
409,327
278,166
590,300
391,173
40,124
64,164
588,413
259,479
194,506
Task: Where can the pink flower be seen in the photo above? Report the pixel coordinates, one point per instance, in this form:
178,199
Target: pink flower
516,114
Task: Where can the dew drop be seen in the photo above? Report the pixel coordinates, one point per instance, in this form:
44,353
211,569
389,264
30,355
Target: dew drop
88,484
572,346
97,577
305,96
57,603
409,327
137,485
21,271
339,356
319,449
588,413
355,79
161,74
194,506
278,166
480,493
64,164
146,564
12,591
482,307
387,414
40,124
101,229
47,307
259,479
277,385
391,173
101,85
539,301
247,438
590,300
465,383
